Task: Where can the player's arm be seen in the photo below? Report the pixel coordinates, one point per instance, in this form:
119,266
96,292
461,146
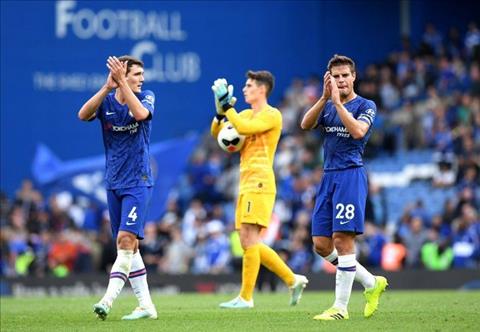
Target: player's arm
223,93
217,122
356,128
216,126
148,101
310,119
262,122
139,111
89,109
119,70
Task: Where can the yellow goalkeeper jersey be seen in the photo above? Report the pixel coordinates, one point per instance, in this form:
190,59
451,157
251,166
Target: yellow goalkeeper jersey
262,131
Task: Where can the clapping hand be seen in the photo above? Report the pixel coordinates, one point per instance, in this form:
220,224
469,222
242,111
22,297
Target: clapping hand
223,94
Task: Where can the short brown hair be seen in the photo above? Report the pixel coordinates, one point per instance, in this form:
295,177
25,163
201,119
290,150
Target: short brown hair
131,61
341,60
263,77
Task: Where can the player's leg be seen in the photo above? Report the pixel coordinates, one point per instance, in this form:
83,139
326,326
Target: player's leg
344,242
347,221
249,239
346,268
348,218
353,205
261,207
322,232
121,266
351,209
134,211
102,308
138,281
324,247
372,296
295,282
374,285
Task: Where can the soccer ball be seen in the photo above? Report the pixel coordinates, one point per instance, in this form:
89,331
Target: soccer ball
229,139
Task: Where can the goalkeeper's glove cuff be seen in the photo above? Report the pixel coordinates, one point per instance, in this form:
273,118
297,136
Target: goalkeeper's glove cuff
226,107
219,117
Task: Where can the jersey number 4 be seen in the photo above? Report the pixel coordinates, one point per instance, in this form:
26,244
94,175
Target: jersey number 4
133,215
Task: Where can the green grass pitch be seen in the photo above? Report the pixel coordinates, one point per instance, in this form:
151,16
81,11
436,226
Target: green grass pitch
399,311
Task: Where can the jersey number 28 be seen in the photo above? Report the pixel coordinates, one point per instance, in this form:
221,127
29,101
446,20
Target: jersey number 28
349,210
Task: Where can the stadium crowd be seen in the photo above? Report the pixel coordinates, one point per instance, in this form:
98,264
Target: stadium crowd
428,98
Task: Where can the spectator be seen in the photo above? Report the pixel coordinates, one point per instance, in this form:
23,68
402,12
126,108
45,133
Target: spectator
436,253
472,40
152,247
394,255
414,242
371,248
62,255
433,40
177,254
466,239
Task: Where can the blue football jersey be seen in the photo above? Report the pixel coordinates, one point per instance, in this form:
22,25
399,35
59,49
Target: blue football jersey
127,142
340,149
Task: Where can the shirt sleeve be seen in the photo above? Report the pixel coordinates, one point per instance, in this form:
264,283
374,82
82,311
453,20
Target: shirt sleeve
368,112
99,112
148,101
216,126
323,114
262,122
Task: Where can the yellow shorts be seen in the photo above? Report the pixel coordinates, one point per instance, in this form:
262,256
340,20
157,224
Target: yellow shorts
254,208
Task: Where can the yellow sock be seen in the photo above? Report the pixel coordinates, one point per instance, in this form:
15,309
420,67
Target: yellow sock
250,267
274,263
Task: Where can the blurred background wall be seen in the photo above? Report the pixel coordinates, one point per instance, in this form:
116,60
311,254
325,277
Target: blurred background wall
53,56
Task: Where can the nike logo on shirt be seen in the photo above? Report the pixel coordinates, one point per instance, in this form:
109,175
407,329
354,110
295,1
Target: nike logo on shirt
130,223
109,113
343,222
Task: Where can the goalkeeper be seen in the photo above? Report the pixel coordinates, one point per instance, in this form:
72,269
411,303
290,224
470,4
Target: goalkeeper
262,126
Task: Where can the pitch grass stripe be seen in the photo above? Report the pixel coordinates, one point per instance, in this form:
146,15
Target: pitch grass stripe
417,310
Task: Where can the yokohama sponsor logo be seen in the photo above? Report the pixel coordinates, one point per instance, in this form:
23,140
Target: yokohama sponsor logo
336,130
341,131
125,128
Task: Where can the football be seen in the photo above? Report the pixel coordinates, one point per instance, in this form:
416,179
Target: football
229,139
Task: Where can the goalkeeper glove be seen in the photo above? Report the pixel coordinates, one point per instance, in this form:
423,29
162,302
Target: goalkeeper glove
223,93
220,112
